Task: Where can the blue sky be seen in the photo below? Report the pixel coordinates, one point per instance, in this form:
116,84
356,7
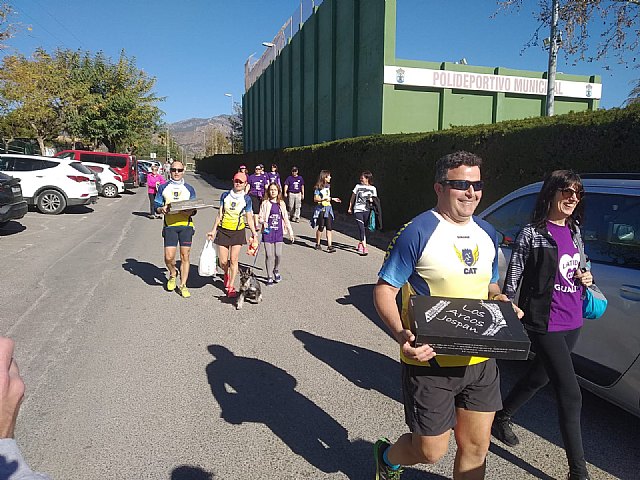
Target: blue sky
196,49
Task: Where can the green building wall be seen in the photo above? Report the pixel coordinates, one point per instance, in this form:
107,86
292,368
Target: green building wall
328,83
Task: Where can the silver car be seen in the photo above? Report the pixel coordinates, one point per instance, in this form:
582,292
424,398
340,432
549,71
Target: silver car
607,356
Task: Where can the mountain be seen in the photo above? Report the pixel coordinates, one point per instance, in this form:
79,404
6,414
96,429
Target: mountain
194,132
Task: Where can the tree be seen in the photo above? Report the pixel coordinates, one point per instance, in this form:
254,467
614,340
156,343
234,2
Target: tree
619,35
6,28
237,128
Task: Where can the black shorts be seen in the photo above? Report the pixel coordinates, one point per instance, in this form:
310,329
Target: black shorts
174,235
255,204
432,394
325,222
229,238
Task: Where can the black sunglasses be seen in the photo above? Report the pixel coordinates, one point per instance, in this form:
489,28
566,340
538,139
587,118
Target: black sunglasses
176,169
569,192
464,184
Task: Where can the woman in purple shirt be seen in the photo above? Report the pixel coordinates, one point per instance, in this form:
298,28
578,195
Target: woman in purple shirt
273,176
546,260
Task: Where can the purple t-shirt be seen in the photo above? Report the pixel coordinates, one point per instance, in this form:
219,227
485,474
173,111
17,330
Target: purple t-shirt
273,177
274,224
566,301
294,184
257,184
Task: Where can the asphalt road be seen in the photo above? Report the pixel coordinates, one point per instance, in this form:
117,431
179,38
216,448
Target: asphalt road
128,381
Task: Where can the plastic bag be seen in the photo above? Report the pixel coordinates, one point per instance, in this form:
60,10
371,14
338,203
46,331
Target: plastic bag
208,260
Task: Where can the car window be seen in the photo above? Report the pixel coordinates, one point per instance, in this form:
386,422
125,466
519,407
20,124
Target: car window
48,164
66,155
81,168
6,164
25,164
611,229
95,168
116,162
511,217
95,158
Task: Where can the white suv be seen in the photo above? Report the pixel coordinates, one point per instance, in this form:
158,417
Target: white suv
50,183
111,182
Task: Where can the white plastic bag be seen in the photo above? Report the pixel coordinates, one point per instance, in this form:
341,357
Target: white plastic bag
208,260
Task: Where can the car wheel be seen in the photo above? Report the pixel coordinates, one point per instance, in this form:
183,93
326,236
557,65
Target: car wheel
51,202
110,190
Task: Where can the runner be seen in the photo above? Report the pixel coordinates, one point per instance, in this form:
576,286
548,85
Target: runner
323,214
275,221
178,226
361,204
294,193
256,184
229,229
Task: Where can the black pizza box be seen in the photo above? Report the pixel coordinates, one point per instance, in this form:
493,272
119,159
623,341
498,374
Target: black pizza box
461,326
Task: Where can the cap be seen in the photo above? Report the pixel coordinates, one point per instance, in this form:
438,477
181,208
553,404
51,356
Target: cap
243,166
240,176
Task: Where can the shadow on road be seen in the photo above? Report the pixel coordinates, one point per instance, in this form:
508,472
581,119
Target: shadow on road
251,390
364,368
11,228
142,214
78,210
150,273
600,421
185,472
361,297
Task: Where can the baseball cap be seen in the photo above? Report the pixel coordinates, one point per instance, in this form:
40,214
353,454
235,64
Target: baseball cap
243,166
240,176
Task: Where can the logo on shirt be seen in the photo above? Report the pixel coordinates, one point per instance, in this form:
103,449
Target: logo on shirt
469,258
176,195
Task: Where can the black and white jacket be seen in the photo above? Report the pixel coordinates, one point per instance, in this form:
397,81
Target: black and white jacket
534,261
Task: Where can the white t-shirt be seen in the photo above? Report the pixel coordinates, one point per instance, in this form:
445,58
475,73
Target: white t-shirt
363,193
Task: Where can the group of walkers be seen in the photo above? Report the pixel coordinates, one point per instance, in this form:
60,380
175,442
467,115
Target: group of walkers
441,392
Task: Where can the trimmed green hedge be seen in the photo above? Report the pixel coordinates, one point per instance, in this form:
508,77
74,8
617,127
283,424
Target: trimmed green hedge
515,153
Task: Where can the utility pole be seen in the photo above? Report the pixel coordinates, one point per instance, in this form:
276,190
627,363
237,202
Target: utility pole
168,155
554,44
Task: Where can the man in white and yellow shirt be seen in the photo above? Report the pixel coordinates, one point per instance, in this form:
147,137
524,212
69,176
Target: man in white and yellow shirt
442,252
178,226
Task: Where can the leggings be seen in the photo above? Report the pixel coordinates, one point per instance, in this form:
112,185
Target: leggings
152,197
273,252
553,363
362,218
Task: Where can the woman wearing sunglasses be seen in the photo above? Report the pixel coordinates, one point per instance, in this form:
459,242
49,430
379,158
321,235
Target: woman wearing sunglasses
545,260
234,214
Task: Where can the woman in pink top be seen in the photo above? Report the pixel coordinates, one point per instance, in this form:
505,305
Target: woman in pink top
154,180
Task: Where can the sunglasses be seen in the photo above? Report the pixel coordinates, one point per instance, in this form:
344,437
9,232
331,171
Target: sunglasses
569,192
176,169
464,184
238,181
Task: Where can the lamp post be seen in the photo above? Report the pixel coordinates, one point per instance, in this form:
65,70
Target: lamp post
230,95
272,46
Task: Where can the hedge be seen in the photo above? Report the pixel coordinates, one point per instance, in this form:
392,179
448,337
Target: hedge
515,153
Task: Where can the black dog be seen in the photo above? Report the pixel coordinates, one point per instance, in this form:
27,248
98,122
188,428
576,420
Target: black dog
249,288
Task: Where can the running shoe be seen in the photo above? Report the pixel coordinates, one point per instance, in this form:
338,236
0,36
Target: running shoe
331,249
184,291
231,292
359,248
502,429
365,251
269,282
276,277
171,284
318,246
384,471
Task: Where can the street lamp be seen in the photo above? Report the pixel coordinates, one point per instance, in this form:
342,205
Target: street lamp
230,95
272,46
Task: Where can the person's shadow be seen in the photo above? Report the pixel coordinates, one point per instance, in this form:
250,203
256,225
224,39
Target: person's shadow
185,472
361,297
364,368
251,390
150,273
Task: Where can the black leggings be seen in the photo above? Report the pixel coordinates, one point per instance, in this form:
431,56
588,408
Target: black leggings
553,363
362,219
152,197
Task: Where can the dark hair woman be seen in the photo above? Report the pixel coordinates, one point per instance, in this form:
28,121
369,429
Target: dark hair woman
323,214
546,260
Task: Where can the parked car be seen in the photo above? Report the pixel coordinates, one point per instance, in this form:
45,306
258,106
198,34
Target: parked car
49,183
111,183
123,163
607,356
143,171
150,163
12,205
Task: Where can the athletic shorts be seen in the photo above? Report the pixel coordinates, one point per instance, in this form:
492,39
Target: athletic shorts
174,235
325,222
229,238
432,394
